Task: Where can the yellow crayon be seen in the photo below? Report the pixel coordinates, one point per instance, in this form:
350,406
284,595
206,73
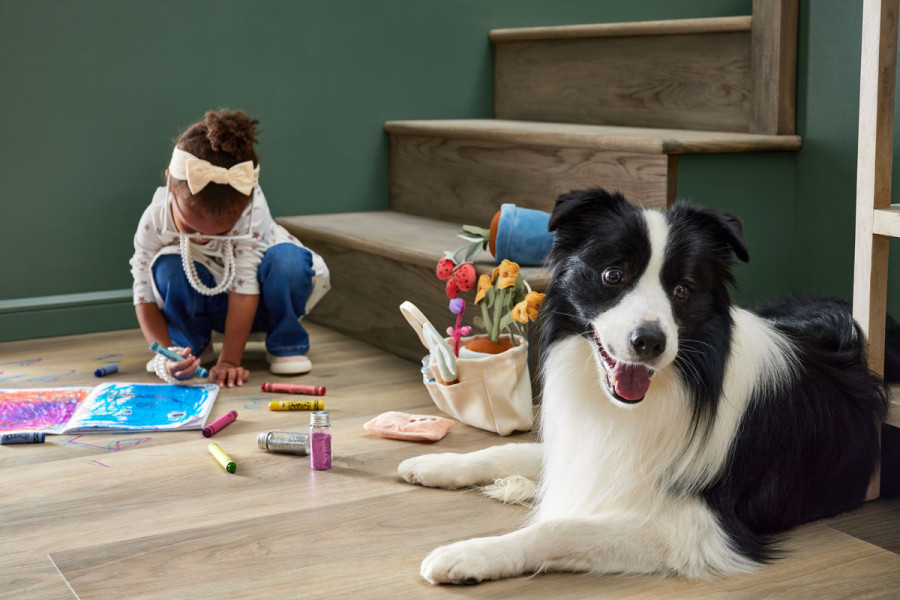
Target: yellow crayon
223,459
297,405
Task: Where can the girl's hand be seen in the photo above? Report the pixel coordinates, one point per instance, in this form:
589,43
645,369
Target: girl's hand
230,374
183,370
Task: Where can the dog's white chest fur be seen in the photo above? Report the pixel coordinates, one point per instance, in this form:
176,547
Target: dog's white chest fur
599,454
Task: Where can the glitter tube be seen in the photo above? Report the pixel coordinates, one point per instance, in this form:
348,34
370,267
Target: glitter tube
284,442
287,388
320,449
220,423
320,440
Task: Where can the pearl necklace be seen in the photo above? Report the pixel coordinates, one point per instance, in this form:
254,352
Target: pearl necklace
191,271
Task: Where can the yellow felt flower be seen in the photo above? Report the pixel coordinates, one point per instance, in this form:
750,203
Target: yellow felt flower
519,312
506,274
484,283
527,309
533,301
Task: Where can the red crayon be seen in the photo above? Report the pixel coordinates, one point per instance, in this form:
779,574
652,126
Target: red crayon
287,388
219,424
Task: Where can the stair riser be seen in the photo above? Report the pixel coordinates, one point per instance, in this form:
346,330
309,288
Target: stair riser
466,181
695,81
367,290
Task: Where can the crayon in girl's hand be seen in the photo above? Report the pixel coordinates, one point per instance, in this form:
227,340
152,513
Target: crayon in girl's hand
160,349
287,388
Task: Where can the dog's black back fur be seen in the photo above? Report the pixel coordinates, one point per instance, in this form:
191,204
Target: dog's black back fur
814,453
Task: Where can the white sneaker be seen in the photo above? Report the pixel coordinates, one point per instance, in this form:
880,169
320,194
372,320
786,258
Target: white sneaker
289,365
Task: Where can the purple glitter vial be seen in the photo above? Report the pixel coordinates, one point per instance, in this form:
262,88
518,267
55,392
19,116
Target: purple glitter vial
320,440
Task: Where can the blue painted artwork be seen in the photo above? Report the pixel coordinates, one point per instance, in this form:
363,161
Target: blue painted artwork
143,407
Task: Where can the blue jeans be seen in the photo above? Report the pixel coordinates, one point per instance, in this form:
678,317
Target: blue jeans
285,279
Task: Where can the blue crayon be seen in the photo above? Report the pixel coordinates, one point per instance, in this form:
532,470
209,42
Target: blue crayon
22,438
106,370
160,349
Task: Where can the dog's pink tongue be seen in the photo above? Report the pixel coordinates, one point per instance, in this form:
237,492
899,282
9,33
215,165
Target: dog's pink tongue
632,381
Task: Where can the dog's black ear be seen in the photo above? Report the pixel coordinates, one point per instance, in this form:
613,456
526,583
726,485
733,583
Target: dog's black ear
732,232
578,206
724,229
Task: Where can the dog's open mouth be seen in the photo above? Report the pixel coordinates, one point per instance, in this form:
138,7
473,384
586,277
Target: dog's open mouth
628,383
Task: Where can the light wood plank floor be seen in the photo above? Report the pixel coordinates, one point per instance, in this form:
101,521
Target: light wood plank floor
153,516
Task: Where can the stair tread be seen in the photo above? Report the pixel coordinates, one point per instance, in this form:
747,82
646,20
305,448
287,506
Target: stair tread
399,236
606,137
667,27
887,221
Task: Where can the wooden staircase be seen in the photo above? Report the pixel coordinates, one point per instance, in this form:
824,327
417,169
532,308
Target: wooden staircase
609,105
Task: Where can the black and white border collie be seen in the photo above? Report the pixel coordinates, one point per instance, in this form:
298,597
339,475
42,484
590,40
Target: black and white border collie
677,430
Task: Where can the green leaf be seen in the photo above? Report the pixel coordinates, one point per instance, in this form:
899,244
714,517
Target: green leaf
472,239
486,318
489,297
475,231
520,284
471,252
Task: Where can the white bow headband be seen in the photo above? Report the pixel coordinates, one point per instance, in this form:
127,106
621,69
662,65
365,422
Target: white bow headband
198,172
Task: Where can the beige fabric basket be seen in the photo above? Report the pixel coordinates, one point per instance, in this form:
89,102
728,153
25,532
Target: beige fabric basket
492,392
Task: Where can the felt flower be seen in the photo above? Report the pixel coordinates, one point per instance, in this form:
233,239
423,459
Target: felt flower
527,309
484,284
506,274
519,313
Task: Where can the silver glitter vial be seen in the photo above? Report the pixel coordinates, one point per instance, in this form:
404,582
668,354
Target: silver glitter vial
284,441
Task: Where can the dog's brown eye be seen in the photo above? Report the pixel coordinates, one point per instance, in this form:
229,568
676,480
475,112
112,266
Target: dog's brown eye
614,276
681,293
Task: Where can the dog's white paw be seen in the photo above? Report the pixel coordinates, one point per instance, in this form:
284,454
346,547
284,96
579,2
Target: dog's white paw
435,470
471,561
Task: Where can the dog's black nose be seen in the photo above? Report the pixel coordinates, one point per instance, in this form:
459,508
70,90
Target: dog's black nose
648,342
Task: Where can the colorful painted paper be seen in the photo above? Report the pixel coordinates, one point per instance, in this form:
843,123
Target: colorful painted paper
46,410
108,408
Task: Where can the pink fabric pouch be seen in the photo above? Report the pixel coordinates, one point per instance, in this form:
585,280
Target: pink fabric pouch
404,426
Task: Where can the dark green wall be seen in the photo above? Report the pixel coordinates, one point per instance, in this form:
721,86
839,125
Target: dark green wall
94,92
826,168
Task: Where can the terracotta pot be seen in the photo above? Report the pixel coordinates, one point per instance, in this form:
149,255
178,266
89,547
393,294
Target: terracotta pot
486,346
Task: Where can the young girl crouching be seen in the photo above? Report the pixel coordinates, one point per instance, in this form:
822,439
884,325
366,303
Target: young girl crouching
208,256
